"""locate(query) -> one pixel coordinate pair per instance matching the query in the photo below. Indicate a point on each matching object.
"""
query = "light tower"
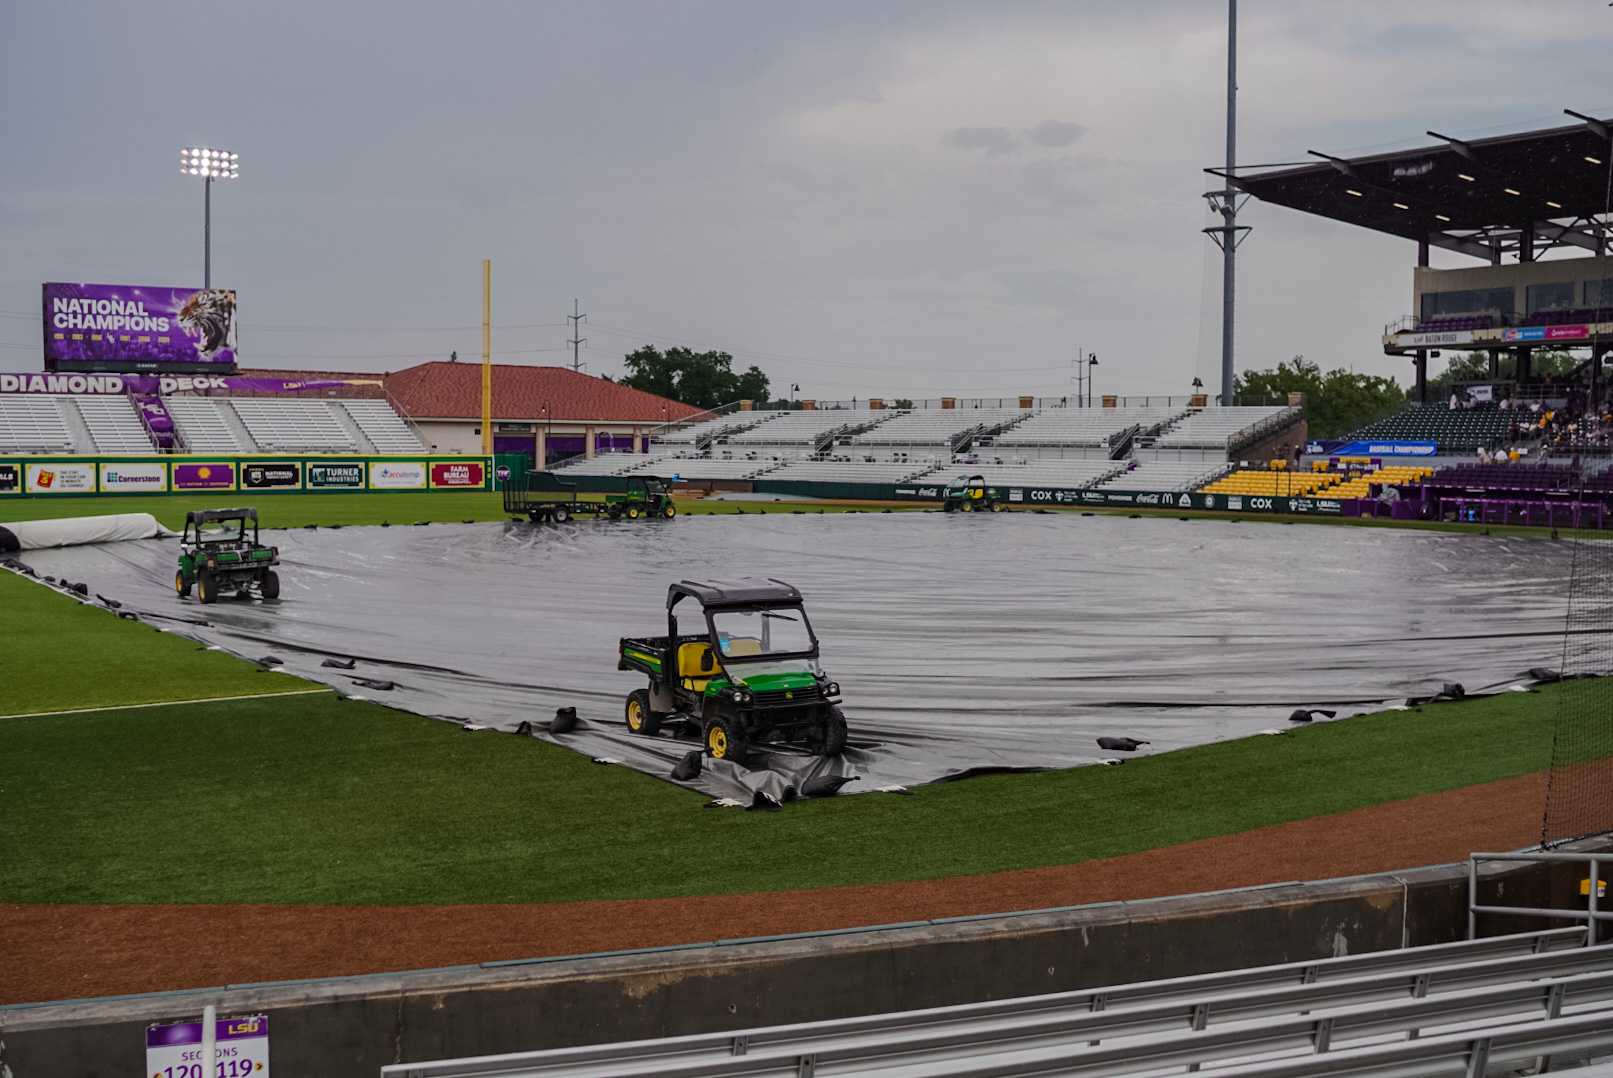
(210, 165)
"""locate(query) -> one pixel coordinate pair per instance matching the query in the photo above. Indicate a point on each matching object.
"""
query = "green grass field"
(314, 799)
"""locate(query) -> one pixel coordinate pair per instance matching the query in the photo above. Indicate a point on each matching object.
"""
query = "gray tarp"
(76, 531)
(962, 643)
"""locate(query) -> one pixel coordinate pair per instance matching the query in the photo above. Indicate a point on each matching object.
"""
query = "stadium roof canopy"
(1481, 197)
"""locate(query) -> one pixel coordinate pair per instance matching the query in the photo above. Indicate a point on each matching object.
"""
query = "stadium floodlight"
(1442, 217)
(1465, 176)
(1353, 192)
(1593, 160)
(210, 164)
(1554, 205)
(1512, 191)
(1401, 206)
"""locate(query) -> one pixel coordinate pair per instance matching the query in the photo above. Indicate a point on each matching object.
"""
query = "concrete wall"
(352, 1026)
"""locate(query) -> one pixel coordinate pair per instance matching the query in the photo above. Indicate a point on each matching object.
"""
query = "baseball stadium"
(480, 718)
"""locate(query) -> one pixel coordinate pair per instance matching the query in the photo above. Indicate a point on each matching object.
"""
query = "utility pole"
(577, 340)
(487, 357)
(1229, 234)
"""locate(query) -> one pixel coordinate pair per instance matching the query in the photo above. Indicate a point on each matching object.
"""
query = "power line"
(577, 339)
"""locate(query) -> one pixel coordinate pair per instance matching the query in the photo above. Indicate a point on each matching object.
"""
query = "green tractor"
(969, 494)
(748, 674)
(216, 555)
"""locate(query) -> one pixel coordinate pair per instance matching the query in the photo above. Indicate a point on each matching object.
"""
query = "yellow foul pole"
(487, 357)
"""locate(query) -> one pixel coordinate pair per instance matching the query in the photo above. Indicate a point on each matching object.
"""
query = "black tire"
(996, 507)
(534, 516)
(560, 514)
(614, 512)
(633, 512)
(834, 733)
(269, 586)
(668, 511)
(966, 507)
(181, 585)
(638, 714)
(724, 740)
(206, 587)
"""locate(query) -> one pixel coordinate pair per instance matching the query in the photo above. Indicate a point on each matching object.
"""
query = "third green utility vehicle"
(219, 551)
(970, 494)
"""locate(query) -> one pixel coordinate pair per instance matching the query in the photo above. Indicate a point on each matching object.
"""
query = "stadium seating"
(1281, 482)
(939, 427)
(804, 428)
(113, 424)
(1459, 322)
(698, 433)
(1082, 426)
(203, 425)
(299, 425)
(34, 424)
(1514, 477)
(1072, 474)
(848, 471)
(606, 464)
(386, 431)
(1463, 430)
(1390, 475)
(1226, 428)
(1515, 1004)
(1166, 476)
(706, 468)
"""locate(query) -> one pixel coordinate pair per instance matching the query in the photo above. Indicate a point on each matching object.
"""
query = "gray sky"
(893, 199)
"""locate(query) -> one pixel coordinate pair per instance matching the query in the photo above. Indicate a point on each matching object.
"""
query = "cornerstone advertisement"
(134, 478)
(91, 327)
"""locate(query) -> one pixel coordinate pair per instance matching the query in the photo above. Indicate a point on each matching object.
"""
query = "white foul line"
(165, 703)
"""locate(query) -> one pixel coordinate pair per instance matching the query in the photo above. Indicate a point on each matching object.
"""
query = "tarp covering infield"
(963, 643)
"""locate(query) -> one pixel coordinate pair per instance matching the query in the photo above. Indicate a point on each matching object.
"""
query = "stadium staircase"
(1488, 1006)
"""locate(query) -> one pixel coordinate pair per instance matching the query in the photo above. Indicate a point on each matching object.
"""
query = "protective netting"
(1579, 798)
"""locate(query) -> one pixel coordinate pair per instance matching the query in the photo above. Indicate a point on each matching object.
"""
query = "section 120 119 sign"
(125, 327)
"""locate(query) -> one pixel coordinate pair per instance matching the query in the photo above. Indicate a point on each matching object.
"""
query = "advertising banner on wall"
(10, 479)
(271, 475)
(125, 327)
(131, 478)
(458, 473)
(240, 1048)
(397, 475)
(213, 475)
(58, 478)
(336, 475)
(102, 385)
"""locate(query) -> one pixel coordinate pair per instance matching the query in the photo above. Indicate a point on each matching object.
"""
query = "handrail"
(1591, 915)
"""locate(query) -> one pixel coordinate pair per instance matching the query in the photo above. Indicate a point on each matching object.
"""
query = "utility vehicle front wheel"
(633, 512)
(640, 719)
(561, 514)
(996, 507)
(668, 511)
(206, 586)
(269, 586)
(833, 740)
(181, 585)
(725, 741)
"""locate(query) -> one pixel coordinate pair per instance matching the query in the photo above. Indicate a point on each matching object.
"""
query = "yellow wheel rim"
(632, 514)
(635, 715)
(717, 740)
(179, 582)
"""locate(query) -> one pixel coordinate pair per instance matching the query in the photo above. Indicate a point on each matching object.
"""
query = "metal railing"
(1592, 915)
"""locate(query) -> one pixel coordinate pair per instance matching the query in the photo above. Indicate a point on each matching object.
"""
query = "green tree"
(1336, 402)
(1475, 367)
(701, 379)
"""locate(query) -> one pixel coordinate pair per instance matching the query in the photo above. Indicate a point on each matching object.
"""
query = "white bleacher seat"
(696, 433)
(704, 467)
(203, 426)
(939, 427)
(1071, 474)
(33, 424)
(301, 425)
(1082, 426)
(1167, 476)
(1223, 428)
(114, 425)
(848, 471)
(385, 429)
(603, 464)
(804, 427)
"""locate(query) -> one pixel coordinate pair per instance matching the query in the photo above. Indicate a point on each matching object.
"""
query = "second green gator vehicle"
(970, 494)
(219, 551)
(747, 674)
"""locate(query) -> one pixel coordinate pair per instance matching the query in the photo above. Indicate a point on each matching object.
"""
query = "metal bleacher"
(33, 424)
(1480, 1007)
(1226, 428)
(306, 425)
(935, 427)
(1167, 476)
(805, 427)
(606, 464)
(385, 429)
(849, 471)
(1074, 473)
(699, 433)
(706, 467)
(1082, 426)
(202, 425)
(114, 425)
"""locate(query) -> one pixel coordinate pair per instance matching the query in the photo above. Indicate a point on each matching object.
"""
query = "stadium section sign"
(133, 478)
(240, 1049)
(98, 327)
(397, 475)
(60, 478)
(336, 475)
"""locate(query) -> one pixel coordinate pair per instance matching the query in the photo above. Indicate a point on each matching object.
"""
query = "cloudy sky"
(870, 199)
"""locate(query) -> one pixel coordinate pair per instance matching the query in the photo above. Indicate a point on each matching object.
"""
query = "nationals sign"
(130, 327)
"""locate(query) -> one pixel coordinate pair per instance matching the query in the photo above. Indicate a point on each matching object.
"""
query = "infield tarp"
(963, 643)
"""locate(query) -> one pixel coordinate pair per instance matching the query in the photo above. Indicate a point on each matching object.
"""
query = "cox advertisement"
(133, 478)
(336, 475)
(55, 477)
(397, 475)
(127, 327)
(271, 475)
(213, 475)
(458, 473)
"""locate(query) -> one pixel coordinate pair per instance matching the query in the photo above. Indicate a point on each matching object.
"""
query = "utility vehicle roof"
(745, 591)
(208, 516)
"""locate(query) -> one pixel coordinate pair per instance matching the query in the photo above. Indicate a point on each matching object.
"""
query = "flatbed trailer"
(544, 498)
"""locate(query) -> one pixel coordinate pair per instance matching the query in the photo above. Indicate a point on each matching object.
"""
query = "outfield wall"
(261, 473)
(355, 1025)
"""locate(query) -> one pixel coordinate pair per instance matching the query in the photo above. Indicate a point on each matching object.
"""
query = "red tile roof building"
(454, 391)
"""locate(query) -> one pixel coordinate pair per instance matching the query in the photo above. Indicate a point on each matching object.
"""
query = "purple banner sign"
(104, 384)
(154, 416)
(213, 475)
(98, 327)
(225, 1029)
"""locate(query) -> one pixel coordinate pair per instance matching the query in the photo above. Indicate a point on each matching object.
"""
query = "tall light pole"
(210, 165)
(1092, 361)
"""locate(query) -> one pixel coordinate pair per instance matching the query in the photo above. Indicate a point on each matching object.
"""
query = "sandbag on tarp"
(79, 531)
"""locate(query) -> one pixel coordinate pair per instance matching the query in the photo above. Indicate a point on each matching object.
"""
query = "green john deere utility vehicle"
(749, 672)
(216, 554)
(969, 494)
